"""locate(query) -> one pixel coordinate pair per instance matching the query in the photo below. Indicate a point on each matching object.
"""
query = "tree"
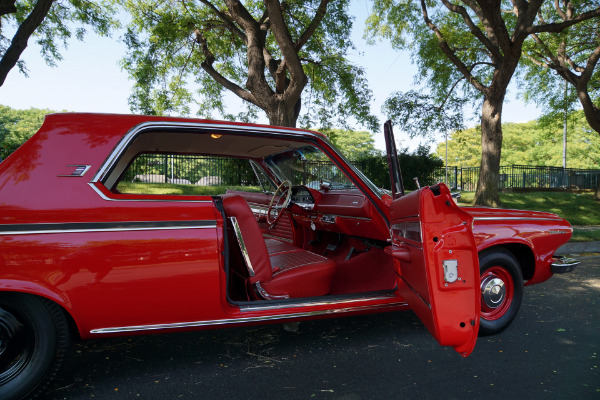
(16, 126)
(355, 145)
(49, 22)
(474, 46)
(266, 53)
(573, 56)
(530, 143)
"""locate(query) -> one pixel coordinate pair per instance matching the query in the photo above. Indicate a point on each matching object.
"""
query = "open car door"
(436, 260)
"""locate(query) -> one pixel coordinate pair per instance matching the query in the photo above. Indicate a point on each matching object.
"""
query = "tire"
(35, 340)
(501, 283)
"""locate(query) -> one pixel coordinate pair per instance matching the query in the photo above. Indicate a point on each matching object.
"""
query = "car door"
(436, 259)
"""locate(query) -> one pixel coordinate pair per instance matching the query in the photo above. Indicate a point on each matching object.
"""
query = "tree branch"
(290, 61)
(462, 68)
(492, 43)
(559, 27)
(228, 22)
(7, 7)
(19, 41)
(321, 11)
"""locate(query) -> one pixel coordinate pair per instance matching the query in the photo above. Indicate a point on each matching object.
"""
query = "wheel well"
(522, 253)
(70, 320)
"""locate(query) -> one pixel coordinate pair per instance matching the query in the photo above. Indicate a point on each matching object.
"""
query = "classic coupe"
(98, 239)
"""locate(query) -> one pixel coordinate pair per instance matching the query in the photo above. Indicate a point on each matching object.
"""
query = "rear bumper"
(561, 265)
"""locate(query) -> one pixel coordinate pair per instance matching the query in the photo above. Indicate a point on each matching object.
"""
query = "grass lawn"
(177, 189)
(577, 208)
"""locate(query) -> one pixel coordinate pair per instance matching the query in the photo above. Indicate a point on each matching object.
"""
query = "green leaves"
(184, 57)
(421, 115)
(530, 143)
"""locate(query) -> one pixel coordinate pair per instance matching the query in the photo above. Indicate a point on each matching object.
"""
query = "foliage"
(577, 208)
(530, 143)
(570, 57)
(418, 164)
(472, 47)
(354, 145)
(51, 24)
(419, 115)
(189, 56)
(16, 126)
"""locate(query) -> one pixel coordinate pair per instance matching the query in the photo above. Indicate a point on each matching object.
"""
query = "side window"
(184, 174)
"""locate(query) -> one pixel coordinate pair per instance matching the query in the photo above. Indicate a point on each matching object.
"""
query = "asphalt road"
(551, 351)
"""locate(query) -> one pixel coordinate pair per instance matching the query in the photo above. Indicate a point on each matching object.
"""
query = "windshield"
(309, 166)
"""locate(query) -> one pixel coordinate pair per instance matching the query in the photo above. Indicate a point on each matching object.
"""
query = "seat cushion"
(275, 246)
(300, 273)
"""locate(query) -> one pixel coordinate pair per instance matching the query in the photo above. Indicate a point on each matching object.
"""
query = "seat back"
(250, 239)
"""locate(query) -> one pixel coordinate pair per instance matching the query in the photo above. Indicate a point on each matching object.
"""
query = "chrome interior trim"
(266, 295)
(245, 320)
(338, 301)
(240, 240)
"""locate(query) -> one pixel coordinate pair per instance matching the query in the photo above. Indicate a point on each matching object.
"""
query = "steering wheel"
(276, 206)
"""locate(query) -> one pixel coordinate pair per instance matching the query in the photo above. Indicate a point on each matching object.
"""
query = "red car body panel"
(113, 280)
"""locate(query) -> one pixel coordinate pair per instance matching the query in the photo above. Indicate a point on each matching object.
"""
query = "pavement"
(550, 351)
(575, 248)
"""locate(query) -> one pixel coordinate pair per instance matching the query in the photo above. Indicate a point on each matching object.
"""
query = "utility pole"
(565, 130)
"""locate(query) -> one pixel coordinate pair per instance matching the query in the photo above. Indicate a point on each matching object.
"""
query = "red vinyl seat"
(278, 270)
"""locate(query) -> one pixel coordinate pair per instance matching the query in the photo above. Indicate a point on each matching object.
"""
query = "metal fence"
(522, 177)
(211, 171)
(189, 169)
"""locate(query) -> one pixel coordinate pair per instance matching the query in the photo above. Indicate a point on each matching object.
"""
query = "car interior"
(297, 227)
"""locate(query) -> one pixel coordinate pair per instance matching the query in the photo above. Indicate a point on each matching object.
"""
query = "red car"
(104, 232)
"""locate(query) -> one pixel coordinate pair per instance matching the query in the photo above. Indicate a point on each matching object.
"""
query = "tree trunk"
(597, 194)
(282, 113)
(491, 146)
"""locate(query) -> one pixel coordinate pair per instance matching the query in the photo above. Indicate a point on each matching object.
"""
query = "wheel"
(501, 290)
(276, 206)
(34, 343)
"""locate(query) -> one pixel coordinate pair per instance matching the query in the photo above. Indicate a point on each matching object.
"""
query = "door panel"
(436, 261)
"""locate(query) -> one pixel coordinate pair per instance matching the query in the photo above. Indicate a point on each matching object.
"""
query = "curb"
(578, 248)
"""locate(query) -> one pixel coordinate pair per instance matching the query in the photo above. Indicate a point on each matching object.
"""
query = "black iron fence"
(189, 169)
(522, 177)
(210, 171)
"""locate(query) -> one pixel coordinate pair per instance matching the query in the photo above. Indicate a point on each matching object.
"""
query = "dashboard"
(344, 211)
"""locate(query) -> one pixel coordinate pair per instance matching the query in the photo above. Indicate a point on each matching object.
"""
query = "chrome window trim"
(144, 126)
(243, 320)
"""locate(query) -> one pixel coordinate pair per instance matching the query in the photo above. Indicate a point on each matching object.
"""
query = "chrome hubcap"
(493, 291)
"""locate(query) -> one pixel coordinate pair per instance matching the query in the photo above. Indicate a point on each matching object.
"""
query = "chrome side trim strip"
(246, 320)
(514, 218)
(124, 226)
